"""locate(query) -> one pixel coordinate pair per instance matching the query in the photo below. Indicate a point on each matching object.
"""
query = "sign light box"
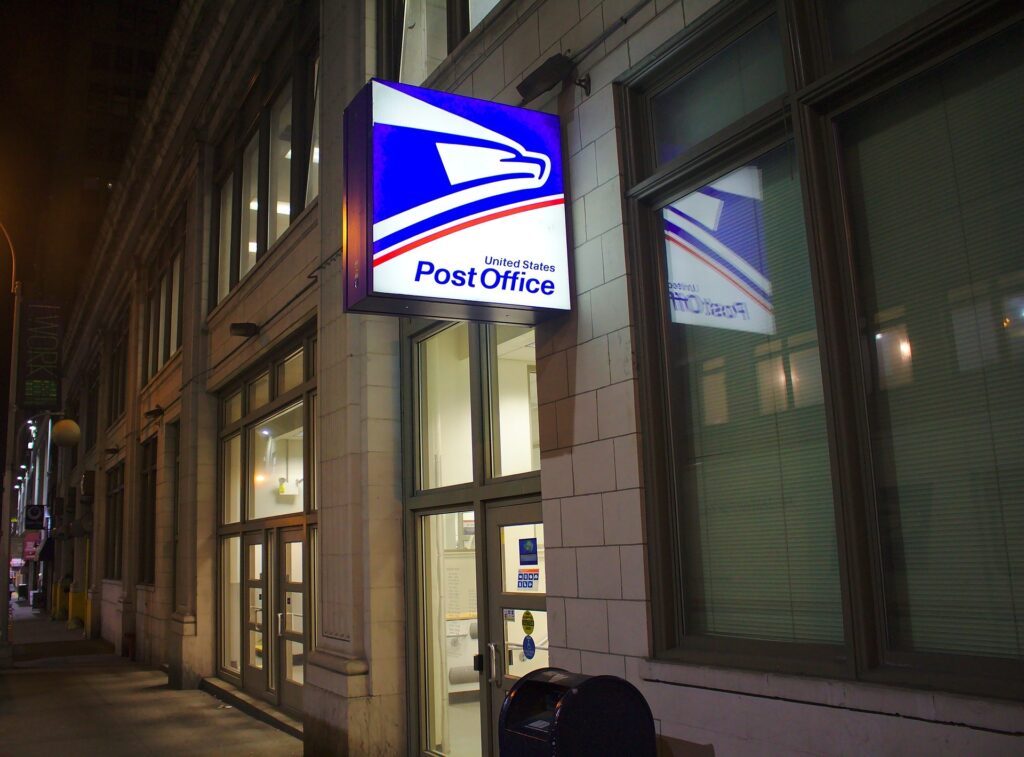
(454, 207)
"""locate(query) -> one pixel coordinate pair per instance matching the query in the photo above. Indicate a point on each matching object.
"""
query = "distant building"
(771, 461)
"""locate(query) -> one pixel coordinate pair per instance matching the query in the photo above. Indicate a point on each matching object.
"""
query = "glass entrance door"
(517, 639)
(290, 619)
(254, 598)
(474, 645)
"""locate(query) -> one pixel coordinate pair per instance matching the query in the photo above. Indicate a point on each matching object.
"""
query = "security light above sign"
(454, 207)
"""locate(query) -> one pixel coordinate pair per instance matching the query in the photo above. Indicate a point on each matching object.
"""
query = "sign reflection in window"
(716, 256)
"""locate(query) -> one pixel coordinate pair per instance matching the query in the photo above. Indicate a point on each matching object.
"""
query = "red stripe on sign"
(465, 225)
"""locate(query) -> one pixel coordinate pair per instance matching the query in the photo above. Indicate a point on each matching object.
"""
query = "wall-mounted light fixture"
(244, 329)
(156, 412)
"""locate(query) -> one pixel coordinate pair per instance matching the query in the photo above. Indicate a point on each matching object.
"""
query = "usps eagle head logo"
(444, 164)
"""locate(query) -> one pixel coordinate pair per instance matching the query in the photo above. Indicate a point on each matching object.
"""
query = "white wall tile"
(623, 517)
(603, 208)
(588, 264)
(616, 409)
(560, 567)
(582, 521)
(610, 308)
(586, 624)
(577, 419)
(556, 17)
(606, 153)
(552, 523)
(583, 172)
(587, 366)
(634, 573)
(590, 470)
(661, 29)
(627, 627)
(627, 465)
(556, 473)
(521, 48)
(598, 572)
(620, 355)
(597, 664)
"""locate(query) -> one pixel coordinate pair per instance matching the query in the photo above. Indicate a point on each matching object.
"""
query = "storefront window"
(232, 480)
(231, 604)
(446, 443)
(756, 523)
(516, 435)
(937, 175)
(279, 212)
(250, 205)
(452, 686)
(744, 76)
(278, 473)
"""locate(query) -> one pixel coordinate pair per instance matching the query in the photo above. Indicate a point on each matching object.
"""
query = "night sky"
(73, 77)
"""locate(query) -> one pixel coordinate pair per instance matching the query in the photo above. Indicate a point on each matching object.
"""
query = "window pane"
(290, 373)
(233, 408)
(446, 443)
(279, 215)
(175, 302)
(451, 688)
(231, 483)
(854, 23)
(937, 191)
(250, 206)
(315, 452)
(755, 523)
(259, 392)
(424, 39)
(231, 604)
(478, 9)
(741, 78)
(162, 319)
(313, 174)
(277, 469)
(224, 238)
(516, 434)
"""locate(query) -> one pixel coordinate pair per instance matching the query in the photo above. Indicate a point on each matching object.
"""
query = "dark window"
(163, 307)
(114, 522)
(832, 418)
(421, 33)
(92, 409)
(147, 513)
(116, 385)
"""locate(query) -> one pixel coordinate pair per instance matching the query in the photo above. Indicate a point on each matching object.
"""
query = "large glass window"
(274, 151)
(278, 473)
(516, 435)
(231, 604)
(837, 486)
(114, 521)
(147, 514)
(163, 314)
(937, 179)
(756, 520)
(118, 367)
(446, 443)
(231, 478)
(744, 76)
(451, 685)
(280, 209)
(431, 29)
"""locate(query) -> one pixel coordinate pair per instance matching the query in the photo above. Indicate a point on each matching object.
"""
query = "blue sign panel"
(529, 647)
(714, 245)
(455, 207)
(527, 551)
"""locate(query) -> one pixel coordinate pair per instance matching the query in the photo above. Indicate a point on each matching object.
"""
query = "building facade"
(768, 469)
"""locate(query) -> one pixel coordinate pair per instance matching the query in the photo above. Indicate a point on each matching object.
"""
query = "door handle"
(280, 623)
(497, 675)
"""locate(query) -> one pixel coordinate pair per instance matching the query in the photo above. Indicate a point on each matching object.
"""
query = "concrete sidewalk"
(66, 695)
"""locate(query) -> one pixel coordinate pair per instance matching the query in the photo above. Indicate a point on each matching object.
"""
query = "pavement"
(67, 695)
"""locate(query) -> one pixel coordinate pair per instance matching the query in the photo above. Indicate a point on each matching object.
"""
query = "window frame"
(117, 376)
(148, 474)
(819, 91)
(114, 523)
(292, 63)
(156, 317)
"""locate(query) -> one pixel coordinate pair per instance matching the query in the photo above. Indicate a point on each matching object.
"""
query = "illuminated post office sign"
(454, 207)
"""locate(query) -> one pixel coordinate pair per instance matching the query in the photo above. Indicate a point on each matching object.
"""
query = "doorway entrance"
(483, 620)
(274, 613)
